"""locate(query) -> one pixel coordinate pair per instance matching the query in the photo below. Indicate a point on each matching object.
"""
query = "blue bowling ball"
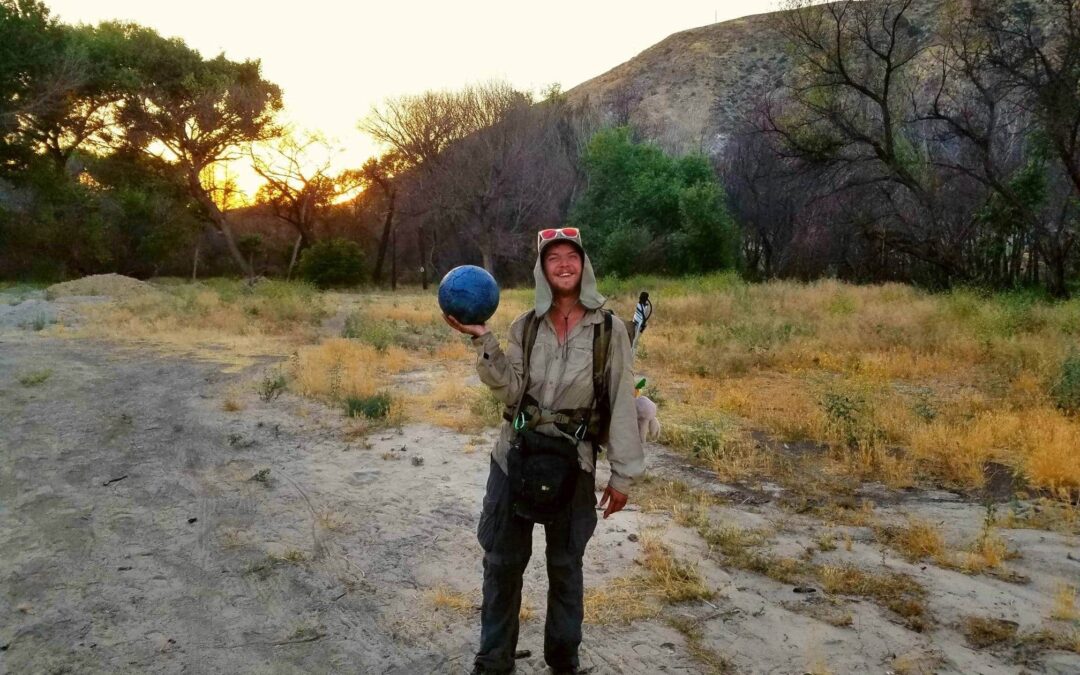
(469, 294)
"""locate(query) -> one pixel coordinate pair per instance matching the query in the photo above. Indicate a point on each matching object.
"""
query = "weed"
(703, 439)
(486, 407)
(621, 601)
(712, 661)
(673, 580)
(984, 632)
(1053, 639)
(34, 378)
(1066, 387)
(272, 385)
(917, 540)
(826, 542)
(292, 556)
(377, 333)
(261, 476)
(331, 521)
(1058, 515)
(1065, 604)
(38, 323)
(849, 416)
(665, 580)
(372, 407)
(445, 597)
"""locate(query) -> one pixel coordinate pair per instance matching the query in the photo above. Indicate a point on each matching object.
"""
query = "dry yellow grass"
(918, 540)
(445, 597)
(218, 320)
(337, 368)
(902, 384)
(666, 580)
(1065, 604)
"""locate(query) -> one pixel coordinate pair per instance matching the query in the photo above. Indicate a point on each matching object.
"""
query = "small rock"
(804, 589)
(417, 460)
(632, 537)
(192, 520)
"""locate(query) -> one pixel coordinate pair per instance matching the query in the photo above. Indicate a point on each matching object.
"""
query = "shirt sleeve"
(501, 371)
(624, 449)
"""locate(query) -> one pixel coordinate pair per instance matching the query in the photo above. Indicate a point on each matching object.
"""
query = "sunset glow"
(335, 60)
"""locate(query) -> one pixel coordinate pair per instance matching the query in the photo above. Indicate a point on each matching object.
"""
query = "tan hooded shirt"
(561, 377)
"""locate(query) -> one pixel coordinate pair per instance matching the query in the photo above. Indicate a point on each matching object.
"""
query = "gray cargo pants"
(507, 543)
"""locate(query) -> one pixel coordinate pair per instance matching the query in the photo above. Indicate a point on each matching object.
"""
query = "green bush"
(649, 210)
(1066, 389)
(333, 262)
(378, 333)
(371, 407)
(272, 385)
(850, 418)
(704, 439)
(486, 407)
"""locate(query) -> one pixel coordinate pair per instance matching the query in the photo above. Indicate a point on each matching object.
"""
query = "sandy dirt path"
(135, 539)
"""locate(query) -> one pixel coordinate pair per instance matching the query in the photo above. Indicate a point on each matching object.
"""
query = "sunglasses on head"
(557, 233)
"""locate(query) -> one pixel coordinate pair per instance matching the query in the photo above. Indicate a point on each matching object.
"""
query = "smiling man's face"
(562, 268)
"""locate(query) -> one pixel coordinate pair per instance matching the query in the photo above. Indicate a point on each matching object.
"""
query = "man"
(556, 400)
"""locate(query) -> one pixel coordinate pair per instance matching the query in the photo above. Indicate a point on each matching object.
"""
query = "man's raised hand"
(476, 330)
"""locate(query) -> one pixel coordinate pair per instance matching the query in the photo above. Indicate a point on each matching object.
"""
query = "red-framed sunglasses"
(558, 233)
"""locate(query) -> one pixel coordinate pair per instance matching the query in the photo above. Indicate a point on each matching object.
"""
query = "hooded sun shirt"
(561, 375)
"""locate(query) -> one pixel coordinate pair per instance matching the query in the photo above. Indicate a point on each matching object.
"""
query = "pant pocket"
(494, 510)
(583, 514)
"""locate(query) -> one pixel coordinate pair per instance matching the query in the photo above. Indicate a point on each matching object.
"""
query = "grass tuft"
(373, 407)
(35, 377)
(983, 632)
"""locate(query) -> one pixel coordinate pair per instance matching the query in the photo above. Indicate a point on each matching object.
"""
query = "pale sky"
(334, 60)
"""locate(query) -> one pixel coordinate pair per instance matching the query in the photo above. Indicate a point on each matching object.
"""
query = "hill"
(690, 91)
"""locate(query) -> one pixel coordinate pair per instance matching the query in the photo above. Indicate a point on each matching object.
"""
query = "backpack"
(583, 423)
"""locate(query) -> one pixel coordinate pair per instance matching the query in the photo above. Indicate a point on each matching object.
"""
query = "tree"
(499, 182)
(94, 83)
(420, 130)
(300, 186)
(200, 111)
(379, 173)
(1035, 49)
(32, 74)
(672, 208)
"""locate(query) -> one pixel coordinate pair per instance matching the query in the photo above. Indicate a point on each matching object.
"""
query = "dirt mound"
(112, 285)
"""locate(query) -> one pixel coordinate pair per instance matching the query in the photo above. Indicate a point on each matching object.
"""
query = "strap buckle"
(583, 429)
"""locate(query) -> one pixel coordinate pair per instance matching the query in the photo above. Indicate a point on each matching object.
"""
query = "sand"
(136, 539)
(115, 286)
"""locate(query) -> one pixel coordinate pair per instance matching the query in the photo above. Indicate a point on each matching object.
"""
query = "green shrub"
(850, 418)
(486, 407)
(378, 333)
(272, 385)
(34, 378)
(333, 262)
(1066, 389)
(371, 407)
(702, 439)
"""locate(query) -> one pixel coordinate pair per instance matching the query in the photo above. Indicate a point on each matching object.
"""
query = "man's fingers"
(616, 503)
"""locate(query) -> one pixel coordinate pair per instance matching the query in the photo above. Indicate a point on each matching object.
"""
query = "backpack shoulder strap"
(528, 339)
(601, 346)
(600, 412)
